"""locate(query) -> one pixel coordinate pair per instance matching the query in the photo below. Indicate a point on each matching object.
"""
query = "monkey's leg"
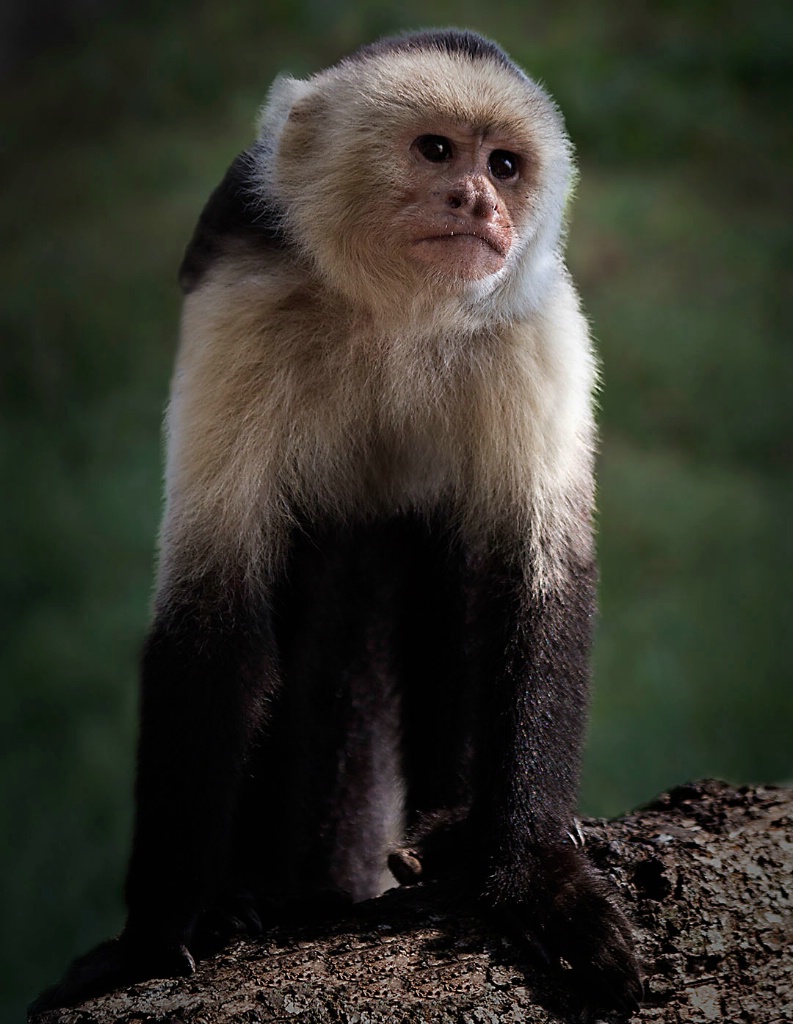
(360, 817)
(437, 711)
(533, 712)
(330, 767)
(208, 671)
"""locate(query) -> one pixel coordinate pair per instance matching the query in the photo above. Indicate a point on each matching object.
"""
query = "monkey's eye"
(503, 164)
(435, 148)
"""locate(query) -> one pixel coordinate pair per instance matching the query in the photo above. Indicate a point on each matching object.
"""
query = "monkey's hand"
(561, 908)
(566, 912)
(112, 965)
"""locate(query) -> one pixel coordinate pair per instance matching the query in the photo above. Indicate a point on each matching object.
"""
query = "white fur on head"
(335, 152)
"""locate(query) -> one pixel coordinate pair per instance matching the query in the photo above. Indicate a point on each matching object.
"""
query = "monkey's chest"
(412, 468)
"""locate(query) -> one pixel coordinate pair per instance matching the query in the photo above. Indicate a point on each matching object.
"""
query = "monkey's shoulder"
(235, 218)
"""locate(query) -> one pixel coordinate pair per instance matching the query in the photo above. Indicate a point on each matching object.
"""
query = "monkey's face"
(463, 189)
(409, 177)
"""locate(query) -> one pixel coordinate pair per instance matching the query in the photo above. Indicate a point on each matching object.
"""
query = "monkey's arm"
(535, 717)
(537, 696)
(208, 671)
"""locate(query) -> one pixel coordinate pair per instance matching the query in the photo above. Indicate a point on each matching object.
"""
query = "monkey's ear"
(289, 99)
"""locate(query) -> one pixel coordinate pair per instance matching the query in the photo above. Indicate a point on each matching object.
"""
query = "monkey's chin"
(458, 257)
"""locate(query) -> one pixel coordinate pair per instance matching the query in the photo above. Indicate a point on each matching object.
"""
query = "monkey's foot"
(437, 845)
(250, 912)
(111, 965)
(569, 918)
(406, 865)
(234, 915)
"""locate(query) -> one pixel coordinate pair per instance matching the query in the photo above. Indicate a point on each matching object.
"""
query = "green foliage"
(680, 243)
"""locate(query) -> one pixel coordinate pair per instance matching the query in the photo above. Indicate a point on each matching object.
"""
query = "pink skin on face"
(458, 220)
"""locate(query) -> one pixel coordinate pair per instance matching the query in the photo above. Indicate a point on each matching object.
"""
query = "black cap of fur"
(450, 40)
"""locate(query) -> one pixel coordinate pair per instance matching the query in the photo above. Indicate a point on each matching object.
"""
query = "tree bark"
(705, 871)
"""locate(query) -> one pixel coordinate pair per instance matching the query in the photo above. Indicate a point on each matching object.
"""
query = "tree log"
(705, 871)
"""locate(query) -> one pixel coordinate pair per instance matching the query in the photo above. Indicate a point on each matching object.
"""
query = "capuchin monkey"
(376, 592)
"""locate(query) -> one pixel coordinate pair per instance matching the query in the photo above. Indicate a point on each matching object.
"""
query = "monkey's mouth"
(467, 238)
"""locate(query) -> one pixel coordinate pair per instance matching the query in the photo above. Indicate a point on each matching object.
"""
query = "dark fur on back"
(232, 212)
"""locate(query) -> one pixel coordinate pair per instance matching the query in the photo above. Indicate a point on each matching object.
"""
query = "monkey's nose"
(478, 201)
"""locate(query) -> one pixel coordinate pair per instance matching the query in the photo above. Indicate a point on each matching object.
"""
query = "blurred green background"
(115, 129)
